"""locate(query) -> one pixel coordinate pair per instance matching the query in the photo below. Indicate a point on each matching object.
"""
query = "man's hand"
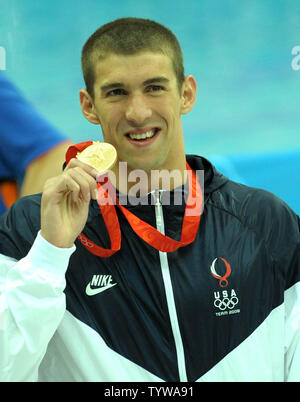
(65, 203)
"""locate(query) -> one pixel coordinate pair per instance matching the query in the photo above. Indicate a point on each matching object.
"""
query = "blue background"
(247, 116)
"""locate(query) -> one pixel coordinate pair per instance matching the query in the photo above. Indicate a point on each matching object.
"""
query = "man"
(220, 306)
(32, 150)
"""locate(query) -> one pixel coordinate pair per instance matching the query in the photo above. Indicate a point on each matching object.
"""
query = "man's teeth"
(143, 136)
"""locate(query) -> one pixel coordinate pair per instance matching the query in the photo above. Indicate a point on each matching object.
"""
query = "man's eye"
(154, 88)
(116, 92)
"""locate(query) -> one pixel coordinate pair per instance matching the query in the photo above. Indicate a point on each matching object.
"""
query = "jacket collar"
(213, 179)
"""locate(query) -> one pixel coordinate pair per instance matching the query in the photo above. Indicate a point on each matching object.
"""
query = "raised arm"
(32, 299)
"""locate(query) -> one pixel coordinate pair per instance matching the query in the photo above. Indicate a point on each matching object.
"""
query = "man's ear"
(87, 107)
(188, 94)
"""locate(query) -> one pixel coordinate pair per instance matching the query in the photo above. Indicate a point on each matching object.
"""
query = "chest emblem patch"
(225, 300)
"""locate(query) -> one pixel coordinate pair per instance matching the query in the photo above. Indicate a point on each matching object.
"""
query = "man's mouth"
(143, 135)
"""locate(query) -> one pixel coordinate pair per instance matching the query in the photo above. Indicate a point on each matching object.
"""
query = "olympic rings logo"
(85, 241)
(226, 303)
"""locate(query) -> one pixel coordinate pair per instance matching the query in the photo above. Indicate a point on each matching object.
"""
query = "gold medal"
(102, 156)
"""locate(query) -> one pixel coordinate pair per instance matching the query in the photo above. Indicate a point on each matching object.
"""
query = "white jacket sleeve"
(292, 333)
(32, 304)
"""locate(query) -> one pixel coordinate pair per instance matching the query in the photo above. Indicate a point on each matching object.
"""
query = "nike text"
(99, 284)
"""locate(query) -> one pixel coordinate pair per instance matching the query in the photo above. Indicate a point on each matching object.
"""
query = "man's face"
(139, 107)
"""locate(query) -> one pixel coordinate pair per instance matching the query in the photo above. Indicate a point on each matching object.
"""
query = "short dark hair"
(129, 36)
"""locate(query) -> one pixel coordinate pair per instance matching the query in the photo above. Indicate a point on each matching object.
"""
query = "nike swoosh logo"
(92, 292)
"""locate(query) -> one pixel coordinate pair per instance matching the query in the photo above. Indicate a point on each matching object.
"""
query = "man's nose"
(138, 110)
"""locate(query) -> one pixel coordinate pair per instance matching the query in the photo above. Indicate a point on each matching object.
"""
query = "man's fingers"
(64, 186)
(86, 183)
(74, 182)
(74, 162)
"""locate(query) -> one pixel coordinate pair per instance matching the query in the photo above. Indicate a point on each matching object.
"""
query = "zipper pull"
(158, 209)
(157, 197)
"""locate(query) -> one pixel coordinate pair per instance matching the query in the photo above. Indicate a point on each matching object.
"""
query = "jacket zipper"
(169, 291)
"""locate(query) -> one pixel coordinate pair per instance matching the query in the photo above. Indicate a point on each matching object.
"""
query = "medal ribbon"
(189, 226)
(145, 231)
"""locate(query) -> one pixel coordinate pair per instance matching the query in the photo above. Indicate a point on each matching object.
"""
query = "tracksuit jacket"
(223, 308)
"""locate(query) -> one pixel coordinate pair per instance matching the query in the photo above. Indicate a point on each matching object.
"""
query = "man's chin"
(141, 164)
